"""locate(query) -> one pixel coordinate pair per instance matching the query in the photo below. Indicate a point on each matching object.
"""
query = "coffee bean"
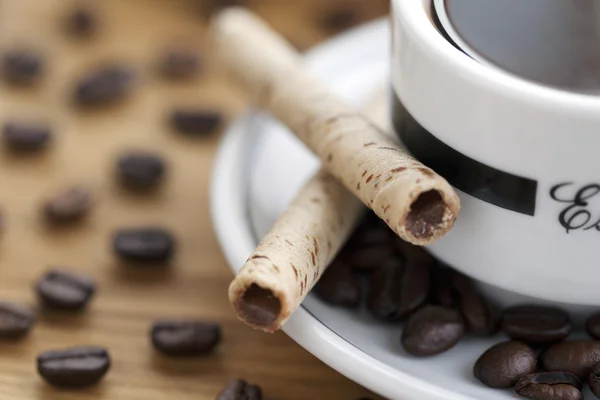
(65, 290)
(104, 86)
(26, 136)
(477, 313)
(536, 324)
(592, 326)
(443, 292)
(2, 221)
(412, 253)
(372, 231)
(398, 288)
(68, 206)
(551, 392)
(414, 288)
(578, 357)
(502, 365)
(240, 390)
(369, 246)
(75, 367)
(594, 380)
(81, 22)
(141, 171)
(367, 258)
(144, 244)
(15, 320)
(185, 338)
(179, 63)
(22, 66)
(550, 386)
(338, 286)
(195, 122)
(212, 6)
(382, 300)
(432, 330)
(550, 378)
(343, 17)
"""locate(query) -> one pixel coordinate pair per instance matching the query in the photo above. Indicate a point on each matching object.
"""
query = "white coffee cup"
(527, 154)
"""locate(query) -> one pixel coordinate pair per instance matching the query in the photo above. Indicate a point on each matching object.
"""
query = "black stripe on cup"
(502, 189)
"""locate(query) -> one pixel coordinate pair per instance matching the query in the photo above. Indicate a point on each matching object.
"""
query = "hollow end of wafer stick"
(430, 216)
(259, 307)
(426, 215)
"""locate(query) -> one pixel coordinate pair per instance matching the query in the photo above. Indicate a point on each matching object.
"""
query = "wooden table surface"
(84, 150)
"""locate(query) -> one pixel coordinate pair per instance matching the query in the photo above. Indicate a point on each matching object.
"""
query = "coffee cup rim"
(413, 14)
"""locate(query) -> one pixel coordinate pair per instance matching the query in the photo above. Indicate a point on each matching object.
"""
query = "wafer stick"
(303, 242)
(417, 204)
(292, 257)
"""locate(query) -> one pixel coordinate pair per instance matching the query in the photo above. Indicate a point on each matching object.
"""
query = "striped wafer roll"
(303, 242)
(417, 204)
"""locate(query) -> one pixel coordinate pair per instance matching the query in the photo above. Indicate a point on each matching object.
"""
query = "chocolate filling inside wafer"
(259, 306)
(426, 214)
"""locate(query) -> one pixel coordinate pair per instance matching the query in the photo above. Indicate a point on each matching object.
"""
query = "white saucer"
(259, 168)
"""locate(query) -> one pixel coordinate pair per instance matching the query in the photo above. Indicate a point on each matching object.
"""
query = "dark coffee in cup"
(553, 42)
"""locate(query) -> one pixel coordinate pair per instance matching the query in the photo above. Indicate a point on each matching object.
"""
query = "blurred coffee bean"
(15, 320)
(369, 246)
(340, 17)
(26, 136)
(443, 291)
(414, 287)
(65, 290)
(338, 286)
(140, 170)
(144, 245)
(179, 63)
(367, 258)
(592, 326)
(76, 367)
(550, 386)
(211, 6)
(477, 312)
(385, 283)
(185, 338)
(22, 66)
(478, 315)
(240, 390)
(372, 231)
(81, 22)
(502, 365)
(68, 206)
(397, 287)
(2, 221)
(594, 380)
(577, 357)
(195, 122)
(104, 85)
(412, 253)
(536, 324)
(432, 330)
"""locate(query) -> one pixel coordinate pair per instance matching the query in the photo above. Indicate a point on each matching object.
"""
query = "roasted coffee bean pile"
(439, 306)
(70, 293)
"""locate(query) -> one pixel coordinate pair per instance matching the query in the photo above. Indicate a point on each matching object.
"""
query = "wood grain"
(86, 145)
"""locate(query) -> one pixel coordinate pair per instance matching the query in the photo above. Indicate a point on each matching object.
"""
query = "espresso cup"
(524, 157)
